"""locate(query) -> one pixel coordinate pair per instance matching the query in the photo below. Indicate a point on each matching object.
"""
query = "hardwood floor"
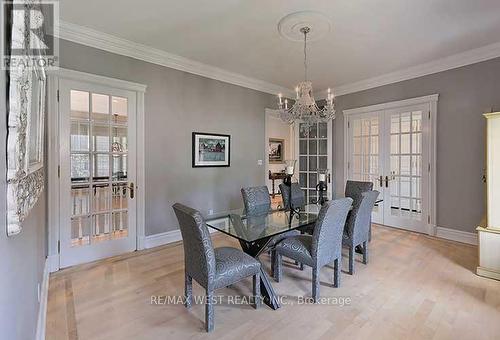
(415, 287)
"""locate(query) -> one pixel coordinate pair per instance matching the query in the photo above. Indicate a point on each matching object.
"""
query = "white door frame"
(53, 154)
(431, 101)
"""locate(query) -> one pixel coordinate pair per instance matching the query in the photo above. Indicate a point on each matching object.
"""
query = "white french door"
(391, 148)
(97, 171)
(314, 151)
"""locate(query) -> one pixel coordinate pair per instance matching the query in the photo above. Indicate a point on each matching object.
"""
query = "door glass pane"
(79, 140)
(100, 107)
(120, 198)
(79, 105)
(102, 197)
(102, 226)
(80, 199)
(119, 110)
(313, 147)
(323, 147)
(100, 138)
(79, 168)
(303, 147)
(101, 167)
(120, 221)
(323, 130)
(119, 135)
(80, 231)
(119, 167)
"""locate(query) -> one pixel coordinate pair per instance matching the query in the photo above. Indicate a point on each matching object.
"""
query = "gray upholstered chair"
(298, 197)
(320, 249)
(257, 201)
(357, 227)
(211, 268)
(354, 189)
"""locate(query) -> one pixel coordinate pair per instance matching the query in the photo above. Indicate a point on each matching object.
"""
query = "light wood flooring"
(415, 287)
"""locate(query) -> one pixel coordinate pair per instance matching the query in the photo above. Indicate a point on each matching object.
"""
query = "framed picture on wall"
(211, 150)
(276, 150)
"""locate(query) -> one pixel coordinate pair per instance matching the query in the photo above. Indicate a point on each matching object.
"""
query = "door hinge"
(58, 171)
(429, 114)
(428, 219)
(57, 95)
(348, 124)
(348, 165)
(59, 247)
(429, 168)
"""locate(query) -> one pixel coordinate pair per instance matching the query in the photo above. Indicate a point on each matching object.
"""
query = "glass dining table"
(254, 232)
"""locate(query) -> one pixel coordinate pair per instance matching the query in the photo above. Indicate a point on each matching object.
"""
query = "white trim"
(42, 307)
(167, 237)
(52, 172)
(488, 273)
(454, 61)
(456, 235)
(141, 172)
(393, 105)
(93, 38)
(97, 79)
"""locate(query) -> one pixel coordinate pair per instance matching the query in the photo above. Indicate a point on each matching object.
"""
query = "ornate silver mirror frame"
(25, 136)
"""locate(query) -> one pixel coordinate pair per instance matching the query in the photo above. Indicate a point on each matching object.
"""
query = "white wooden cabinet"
(489, 234)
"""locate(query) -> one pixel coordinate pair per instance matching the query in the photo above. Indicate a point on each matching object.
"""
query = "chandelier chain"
(305, 55)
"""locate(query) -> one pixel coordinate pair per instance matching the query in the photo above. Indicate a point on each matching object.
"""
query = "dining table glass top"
(251, 228)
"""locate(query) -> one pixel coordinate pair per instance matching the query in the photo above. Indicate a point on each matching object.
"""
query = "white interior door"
(406, 179)
(314, 151)
(391, 148)
(97, 171)
(365, 153)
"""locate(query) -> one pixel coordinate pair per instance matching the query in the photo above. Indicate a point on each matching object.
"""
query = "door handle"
(131, 188)
(381, 181)
(386, 181)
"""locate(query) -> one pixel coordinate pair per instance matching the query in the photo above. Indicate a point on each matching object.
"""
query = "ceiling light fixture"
(304, 109)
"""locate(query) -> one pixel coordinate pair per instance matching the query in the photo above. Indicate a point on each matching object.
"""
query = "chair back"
(298, 197)
(256, 200)
(199, 256)
(327, 236)
(354, 189)
(358, 222)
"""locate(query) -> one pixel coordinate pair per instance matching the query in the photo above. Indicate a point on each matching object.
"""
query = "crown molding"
(454, 61)
(110, 43)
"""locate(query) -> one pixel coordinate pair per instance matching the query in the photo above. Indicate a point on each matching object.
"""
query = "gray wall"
(22, 258)
(464, 94)
(176, 104)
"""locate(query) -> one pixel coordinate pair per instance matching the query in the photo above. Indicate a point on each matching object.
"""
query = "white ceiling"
(369, 37)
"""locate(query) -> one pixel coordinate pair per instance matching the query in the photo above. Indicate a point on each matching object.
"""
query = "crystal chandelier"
(305, 108)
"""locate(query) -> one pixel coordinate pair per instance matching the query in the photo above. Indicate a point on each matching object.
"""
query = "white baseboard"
(42, 307)
(161, 239)
(456, 235)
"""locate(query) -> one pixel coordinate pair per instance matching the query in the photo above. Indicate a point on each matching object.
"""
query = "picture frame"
(276, 151)
(211, 150)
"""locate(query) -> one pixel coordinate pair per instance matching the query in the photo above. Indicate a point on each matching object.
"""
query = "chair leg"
(365, 252)
(256, 290)
(315, 284)
(188, 290)
(351, 260)
(337, 267)
(277, 267)
(209, 312)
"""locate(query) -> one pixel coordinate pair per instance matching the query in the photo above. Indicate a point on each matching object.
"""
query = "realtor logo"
(29, 37)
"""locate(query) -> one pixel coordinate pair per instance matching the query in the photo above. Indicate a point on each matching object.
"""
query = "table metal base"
(254, 249)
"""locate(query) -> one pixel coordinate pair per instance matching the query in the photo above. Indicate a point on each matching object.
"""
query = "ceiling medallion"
(305, 109)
